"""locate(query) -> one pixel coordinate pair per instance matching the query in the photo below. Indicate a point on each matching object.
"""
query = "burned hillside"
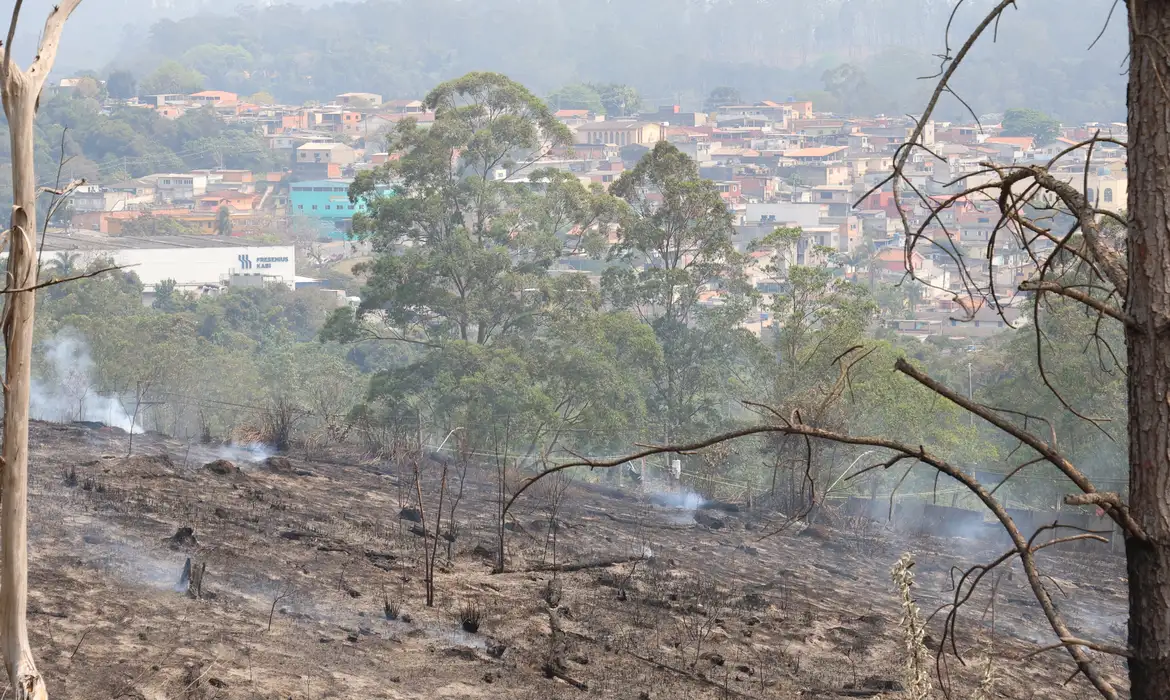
(313, 577)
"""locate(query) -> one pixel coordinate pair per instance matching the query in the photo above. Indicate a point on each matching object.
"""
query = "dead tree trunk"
(1148, 303)
(21, 91)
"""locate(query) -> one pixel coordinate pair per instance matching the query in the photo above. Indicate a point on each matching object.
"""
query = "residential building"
(168, 111)
(820, 155)
(674, 116)
(803, 214)
(132, 194)
(893, 259)
(178, 187)
(619, 133)
(984, 323)
(366, 99)
(164, 99)
(321, 161)
(812, 128)
(834, 174)
(214, 98)
(698, 150)
(761, 188)
(405, 106)
(573, 117)
(234, 201)
(342, 121)
(1010, 148)
(231, 180)
(802, 109)
(1108, 183)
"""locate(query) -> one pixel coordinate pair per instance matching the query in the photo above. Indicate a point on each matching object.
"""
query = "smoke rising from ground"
(65, 389)
(685, 500)
(244, 452)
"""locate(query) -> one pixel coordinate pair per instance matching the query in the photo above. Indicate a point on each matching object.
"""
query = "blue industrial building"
(326, 202)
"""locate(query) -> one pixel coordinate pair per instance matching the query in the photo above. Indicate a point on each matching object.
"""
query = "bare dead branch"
(1041, 447)
(1073, 641)
(63, 280)
(1087, 300)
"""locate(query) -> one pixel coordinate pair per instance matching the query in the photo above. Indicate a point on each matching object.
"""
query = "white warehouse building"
(196, 263)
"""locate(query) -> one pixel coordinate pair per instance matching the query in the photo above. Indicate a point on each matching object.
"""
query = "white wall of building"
(201, 266)
(804, 214)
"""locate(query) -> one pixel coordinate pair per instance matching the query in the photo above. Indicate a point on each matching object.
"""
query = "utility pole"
(970, 394)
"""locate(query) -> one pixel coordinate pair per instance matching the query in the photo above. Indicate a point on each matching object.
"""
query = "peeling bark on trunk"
(21, 90)
(1148, 348)
(18, 333)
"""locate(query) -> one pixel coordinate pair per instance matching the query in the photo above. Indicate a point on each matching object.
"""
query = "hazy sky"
(746, 36)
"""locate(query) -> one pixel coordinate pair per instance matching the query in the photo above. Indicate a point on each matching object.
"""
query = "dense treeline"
(107, 143)
(668, 49)
(464, 323)
(242, 366)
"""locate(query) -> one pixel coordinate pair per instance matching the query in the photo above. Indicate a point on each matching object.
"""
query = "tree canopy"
(1030, 122)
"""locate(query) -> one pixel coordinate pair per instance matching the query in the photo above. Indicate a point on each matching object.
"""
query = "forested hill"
(668, 49)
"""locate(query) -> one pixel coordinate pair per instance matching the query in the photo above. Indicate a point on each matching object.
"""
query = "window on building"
(826, 195)
(314, 206)
(326, 206)
(1108, 194)
(301, 207)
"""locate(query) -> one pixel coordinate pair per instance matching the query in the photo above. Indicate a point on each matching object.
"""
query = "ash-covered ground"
(302, 557)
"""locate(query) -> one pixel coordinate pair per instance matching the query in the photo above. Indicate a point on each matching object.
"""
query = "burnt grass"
(716, 610)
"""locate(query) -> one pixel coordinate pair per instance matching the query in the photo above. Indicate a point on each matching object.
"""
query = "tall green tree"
(819, 315)
(577, 96)
(674, 246)
(461, 270)
(849, 84)
(218, 61)
(618, 100)
(1030, 122)
(121, 85)
(675, 236)
(223, 221)
(63, 264)
(172, 77)
(721, 97)
(454, 259)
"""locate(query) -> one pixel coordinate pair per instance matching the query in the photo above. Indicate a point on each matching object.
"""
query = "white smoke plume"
(683, 500)
(65, 391)
(244, 452)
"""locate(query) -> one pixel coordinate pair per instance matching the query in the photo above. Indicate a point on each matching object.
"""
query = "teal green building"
(324, 201)
(327, 203)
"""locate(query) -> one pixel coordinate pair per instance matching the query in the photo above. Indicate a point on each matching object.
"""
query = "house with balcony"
(818, 155)
(341, 121)
(178, 187)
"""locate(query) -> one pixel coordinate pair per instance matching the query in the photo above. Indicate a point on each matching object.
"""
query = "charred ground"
(307, 561)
